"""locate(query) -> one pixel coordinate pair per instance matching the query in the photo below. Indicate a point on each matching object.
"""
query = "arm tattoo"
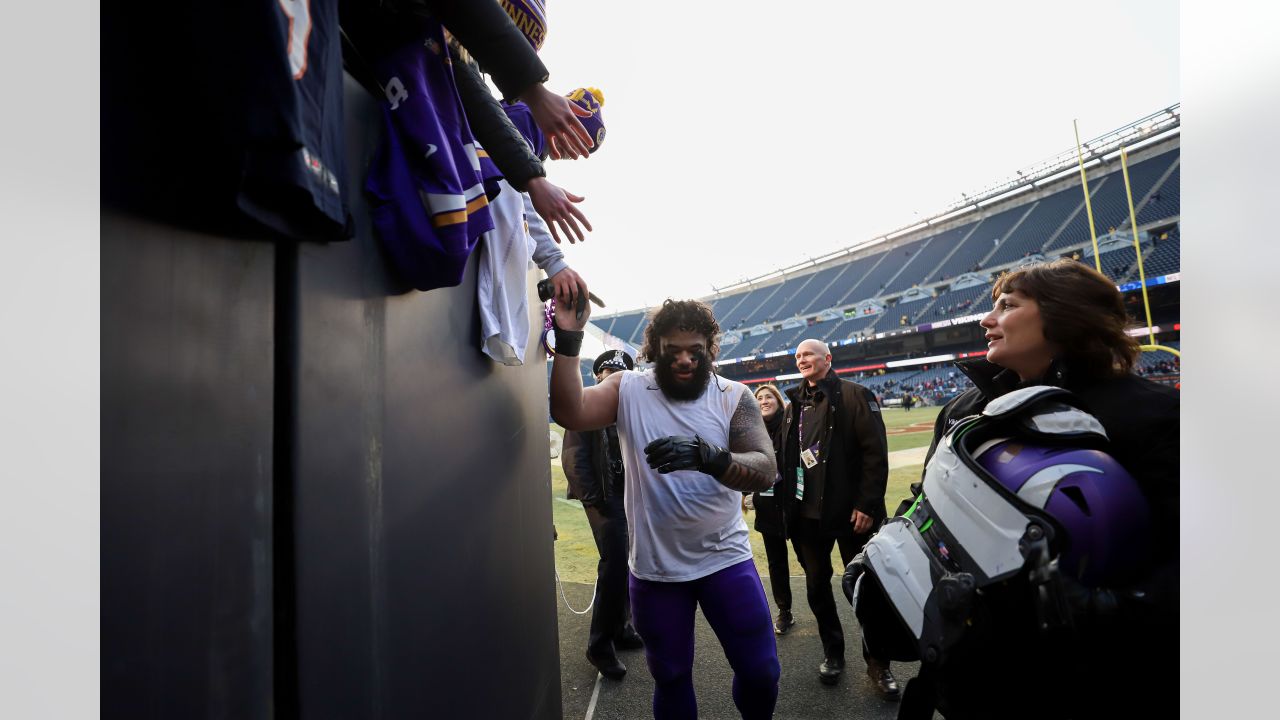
(753, 466)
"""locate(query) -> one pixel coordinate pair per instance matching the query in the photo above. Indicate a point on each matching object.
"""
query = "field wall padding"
(319, 498)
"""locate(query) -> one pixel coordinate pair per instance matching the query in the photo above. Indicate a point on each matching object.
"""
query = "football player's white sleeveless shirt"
(683, 525)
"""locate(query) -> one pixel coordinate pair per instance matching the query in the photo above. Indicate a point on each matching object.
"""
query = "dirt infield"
(917, 427)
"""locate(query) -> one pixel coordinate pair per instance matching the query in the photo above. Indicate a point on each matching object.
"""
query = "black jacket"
(1136, 637)
(592, 465)
(493, 129)
(769, 508)
(853, 461)
(483, 28)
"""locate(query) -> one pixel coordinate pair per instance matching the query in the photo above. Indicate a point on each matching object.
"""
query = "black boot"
(882, 679)
(783, 622)
(609, 666)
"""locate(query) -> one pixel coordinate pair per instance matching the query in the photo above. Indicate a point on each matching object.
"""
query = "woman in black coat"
(770, 521)
(1064, 324)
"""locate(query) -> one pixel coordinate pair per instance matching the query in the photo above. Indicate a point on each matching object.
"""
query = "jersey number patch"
(299, 14)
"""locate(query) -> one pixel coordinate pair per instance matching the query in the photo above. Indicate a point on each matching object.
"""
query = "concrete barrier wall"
(320, 499)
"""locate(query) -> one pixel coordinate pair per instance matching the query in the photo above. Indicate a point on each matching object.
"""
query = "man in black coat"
(835, 464)
(593, 466)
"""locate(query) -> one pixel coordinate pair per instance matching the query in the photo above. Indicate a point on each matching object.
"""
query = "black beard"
(678, 390)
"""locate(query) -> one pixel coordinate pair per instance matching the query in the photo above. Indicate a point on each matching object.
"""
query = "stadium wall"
(319, 499)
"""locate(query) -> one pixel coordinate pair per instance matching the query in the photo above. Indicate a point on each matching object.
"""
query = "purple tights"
(734, 604)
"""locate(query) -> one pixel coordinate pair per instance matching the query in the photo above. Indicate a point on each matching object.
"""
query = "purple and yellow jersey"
(429, 182)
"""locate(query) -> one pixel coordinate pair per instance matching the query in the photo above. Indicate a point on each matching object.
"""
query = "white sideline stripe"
(905, 458)
(595, 693)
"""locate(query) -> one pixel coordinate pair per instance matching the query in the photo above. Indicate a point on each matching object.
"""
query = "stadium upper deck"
(939, 274)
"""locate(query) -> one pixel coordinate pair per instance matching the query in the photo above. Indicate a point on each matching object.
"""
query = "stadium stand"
(1117, 264)
(978, 245)
(891, 264)
(625, 327)
(1045, 217)
(935, 251)
(1110, 206)
(813, 285)
(834, 292)
(1165, 201)
(956, 303)
(1160, 362)
(912, 276)
(763, 311)
(1163, 258)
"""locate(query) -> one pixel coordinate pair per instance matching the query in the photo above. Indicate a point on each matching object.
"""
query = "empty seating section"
(1110, 205)
(1077, 230)
(1165, 202)
(873, 285)
(624, 326)
(813, 284)
(787, 339)
(934, 259)
(767, 310)
(845, 329)
(1164, 258)
(979, 243)
(1116, 264)
(637, 338)
(917, 312)
(725, 305)
(1040, 224)
(830, 295)
(892, 318)
(925, 259)
(958, 303)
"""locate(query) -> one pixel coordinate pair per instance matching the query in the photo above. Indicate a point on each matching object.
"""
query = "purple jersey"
(522, 118)
(429, 182)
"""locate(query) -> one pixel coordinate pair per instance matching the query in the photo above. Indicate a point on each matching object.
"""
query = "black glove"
(681, 452)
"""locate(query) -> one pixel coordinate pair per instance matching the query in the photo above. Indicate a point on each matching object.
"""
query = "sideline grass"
(575, 550)
(919, 419)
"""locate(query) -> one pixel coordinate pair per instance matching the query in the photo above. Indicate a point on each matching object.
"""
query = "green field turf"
(575, 549)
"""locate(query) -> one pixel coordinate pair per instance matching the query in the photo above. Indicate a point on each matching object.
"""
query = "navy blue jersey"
(227, 114)
(294, 167)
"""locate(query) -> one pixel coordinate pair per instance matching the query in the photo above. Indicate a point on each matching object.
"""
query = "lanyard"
(800, 448)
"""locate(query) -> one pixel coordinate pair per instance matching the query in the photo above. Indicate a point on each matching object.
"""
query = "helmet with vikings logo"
(1091, 496)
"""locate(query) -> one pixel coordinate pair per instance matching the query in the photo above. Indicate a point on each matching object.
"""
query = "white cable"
(566, 600)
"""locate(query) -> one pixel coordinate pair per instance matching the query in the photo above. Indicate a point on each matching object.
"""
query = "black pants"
(814, 549)
(775, 550)
(612, 609)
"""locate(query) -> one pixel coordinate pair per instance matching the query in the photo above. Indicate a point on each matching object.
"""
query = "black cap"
(613, 360)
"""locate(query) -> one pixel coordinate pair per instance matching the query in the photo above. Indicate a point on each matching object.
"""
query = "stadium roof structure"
(1097, 151)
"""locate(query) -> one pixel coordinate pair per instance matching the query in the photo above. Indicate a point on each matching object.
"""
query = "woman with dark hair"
(1063, 324)
(770, 516)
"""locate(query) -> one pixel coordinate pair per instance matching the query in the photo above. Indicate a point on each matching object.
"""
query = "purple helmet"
(1095, 500)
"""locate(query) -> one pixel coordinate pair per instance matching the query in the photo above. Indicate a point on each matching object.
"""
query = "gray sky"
(741, 140)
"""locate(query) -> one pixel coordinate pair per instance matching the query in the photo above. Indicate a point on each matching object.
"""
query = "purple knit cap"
(530, 16)
(593, 100)
(588, 98)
